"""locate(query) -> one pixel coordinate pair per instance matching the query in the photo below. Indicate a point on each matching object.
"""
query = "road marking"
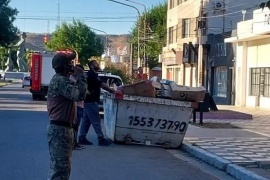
(256, 132)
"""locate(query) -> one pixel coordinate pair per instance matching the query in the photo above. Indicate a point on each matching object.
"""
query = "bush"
(127, 79)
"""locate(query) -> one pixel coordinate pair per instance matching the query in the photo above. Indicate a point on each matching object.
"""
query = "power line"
(86, 17)
(55, 19)
(79, 12)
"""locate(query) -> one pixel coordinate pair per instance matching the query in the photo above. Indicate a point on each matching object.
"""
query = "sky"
(38, 16)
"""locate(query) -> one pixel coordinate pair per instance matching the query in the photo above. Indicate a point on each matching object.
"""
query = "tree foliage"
(77, 36)
(156, 19)
(120, 70)
(265, 4)
(8, 32)
(3, 57)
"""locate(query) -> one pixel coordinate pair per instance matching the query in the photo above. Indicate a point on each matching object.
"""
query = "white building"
(253, 60)
(184, 57)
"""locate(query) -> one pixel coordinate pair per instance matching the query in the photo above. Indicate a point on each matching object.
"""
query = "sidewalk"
(259, 124)
(243, 153)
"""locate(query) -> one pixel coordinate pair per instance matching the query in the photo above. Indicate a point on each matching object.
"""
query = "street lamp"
(145, 9)
(107, 46)
(138, 63)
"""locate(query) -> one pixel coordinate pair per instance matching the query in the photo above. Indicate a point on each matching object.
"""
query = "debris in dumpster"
(119, 94)
(165, 89)
(186, 93)
(143, 88)
(165, 92)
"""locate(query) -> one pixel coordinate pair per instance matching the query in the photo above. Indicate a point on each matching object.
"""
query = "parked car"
(26, 81)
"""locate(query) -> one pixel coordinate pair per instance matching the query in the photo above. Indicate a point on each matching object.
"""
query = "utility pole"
(131, 60)
(106, 40)
(58, 14)
(48, 27)
(200, 50)
(223, 17)
(138, 27)
(144, 31)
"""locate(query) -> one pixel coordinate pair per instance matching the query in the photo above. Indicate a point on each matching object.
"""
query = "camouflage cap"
(60, 60)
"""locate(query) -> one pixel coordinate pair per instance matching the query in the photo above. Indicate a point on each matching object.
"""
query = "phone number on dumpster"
(162, 124)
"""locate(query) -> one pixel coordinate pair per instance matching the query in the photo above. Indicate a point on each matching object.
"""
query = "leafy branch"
(265, 4)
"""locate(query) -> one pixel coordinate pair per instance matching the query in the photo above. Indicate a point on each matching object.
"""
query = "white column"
(244, 74)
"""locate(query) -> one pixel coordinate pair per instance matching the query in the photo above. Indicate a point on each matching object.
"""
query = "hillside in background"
(119, 46)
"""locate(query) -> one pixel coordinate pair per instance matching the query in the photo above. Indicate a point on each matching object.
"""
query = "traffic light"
(45, 40)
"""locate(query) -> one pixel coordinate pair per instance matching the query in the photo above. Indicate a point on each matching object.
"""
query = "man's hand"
(107, 88)
(78, 71)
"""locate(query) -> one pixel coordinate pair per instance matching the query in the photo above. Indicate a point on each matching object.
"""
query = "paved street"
(24, 152)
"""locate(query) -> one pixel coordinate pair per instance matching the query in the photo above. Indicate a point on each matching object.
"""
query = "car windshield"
(111, 80)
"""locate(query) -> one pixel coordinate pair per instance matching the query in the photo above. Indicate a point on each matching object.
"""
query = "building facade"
(253, 60)
(189, 22)
(220, 70)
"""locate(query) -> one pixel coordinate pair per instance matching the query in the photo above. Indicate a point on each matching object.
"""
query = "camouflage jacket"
(62, 95)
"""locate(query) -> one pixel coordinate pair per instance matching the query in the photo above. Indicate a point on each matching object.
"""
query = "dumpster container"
(145, 120)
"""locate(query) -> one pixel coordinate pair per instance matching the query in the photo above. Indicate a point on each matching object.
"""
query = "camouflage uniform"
(62, 94)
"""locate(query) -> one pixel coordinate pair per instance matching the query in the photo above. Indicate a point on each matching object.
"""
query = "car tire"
(35, 97)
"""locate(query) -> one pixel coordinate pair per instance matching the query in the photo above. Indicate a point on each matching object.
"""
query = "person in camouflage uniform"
(61, 106)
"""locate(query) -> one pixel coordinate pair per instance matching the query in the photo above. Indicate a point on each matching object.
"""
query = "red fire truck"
(41, 73)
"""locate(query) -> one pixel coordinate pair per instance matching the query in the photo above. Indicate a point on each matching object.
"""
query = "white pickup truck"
(111, 80)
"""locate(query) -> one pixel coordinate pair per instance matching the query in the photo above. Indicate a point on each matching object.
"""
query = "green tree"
(119, 70)
(8, 33)
(265, 4)
(3, 57)
(156, 19)
(79, 37)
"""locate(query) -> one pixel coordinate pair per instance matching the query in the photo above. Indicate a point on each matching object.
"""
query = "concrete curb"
(234, 170)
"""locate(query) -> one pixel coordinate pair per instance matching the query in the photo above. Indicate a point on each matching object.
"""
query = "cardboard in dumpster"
(186, 93)
(143, 88)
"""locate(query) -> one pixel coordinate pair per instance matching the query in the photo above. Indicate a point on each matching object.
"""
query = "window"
(169, 73)
(255, 81)
(170, 35)
(266, 91)
(171, 4)
(260, 82)
(186, 28)
(177, 75)
(220, 81)
(179, 2)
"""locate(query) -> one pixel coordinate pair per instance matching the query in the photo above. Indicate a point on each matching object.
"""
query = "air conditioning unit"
(219, 6)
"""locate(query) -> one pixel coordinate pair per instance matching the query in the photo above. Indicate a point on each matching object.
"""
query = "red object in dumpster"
(119, 94)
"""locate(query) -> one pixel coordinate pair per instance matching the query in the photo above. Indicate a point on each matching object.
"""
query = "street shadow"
(226, 114)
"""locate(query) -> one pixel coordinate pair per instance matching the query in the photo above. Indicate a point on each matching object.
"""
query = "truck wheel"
(34, 96)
